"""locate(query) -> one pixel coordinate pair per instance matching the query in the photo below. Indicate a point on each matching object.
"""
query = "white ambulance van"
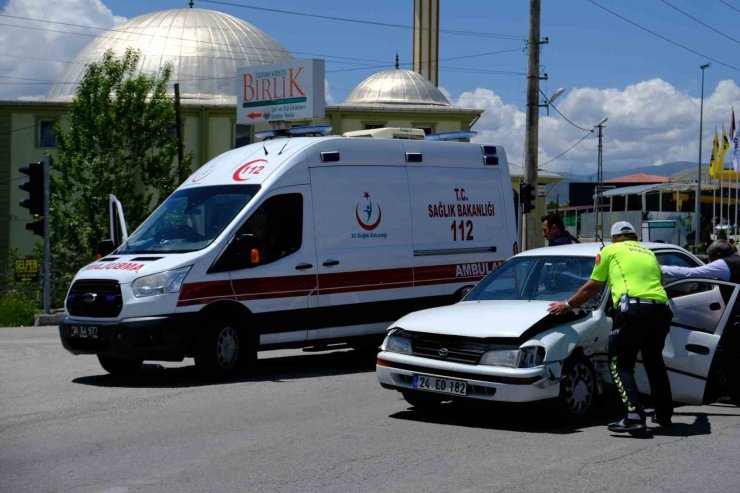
(300, 242)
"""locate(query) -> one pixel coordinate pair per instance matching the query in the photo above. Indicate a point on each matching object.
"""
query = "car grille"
(95, 298)
(447, 348)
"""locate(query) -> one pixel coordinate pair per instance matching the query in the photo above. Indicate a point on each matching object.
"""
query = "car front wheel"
(577, 388)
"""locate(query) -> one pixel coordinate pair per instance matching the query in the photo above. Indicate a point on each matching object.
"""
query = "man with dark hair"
(554, 230)
(724, 264)
(642, 320)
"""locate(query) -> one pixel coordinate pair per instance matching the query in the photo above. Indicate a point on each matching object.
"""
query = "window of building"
(45, 133)
(372, 125)
(428, 128)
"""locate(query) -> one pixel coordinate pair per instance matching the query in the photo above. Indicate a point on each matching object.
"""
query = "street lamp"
(697, 204)
(599, 179)
(548, 101)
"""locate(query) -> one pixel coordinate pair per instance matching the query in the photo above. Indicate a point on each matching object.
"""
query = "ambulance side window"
(276, 230)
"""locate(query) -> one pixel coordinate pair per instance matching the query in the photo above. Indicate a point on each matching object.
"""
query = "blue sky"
(647, 86)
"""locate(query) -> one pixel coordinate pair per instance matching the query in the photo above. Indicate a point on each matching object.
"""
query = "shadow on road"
(270, 369)
(541, 418)
(530, 417)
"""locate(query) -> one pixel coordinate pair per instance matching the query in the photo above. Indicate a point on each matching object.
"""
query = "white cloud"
(41, 48)
(650, 122)
(327, 93)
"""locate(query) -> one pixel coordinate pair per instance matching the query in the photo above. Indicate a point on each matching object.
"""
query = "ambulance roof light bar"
(452, 135)
(302, 130)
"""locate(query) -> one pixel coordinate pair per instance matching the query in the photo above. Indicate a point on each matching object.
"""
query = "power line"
(700, 21)
(567, 150)
(257, 51)
(372, 23)
(731, 6)
(663, 37)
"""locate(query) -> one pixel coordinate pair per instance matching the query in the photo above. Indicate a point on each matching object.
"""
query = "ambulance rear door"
(463, 226)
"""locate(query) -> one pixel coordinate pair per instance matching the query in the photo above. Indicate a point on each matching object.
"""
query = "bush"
(17, 309)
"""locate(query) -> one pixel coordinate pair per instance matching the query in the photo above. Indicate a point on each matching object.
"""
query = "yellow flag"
(723, 148)
(715, 152)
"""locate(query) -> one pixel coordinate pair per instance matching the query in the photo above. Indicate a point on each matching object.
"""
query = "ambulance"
(298, 242)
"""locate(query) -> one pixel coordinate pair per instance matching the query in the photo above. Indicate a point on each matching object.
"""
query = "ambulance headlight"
(397, 342)
(162, 283)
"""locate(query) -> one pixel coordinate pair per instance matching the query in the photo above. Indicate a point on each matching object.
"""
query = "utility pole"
(599, 214)
(697, 202)
(531, 222)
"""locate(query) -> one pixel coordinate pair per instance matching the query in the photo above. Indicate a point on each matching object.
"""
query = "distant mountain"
(560, 191)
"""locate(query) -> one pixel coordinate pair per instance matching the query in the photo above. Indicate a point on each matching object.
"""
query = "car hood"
(483, 319)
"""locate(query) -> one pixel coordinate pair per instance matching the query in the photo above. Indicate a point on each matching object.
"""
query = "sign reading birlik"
(280, 92)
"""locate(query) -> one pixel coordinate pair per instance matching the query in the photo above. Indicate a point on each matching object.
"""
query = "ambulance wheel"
(577, 389)
(422, 400)
(219, 348)
(118, 366)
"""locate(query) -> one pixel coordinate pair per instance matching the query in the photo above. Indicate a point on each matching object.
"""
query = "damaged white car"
(500, 344)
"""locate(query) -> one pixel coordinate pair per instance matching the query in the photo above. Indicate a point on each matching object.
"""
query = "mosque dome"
(397, 87)
(205, 49)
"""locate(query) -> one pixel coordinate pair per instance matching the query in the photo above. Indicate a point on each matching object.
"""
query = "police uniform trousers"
(643, 328)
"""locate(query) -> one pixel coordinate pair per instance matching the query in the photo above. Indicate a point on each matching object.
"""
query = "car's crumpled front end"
(509, 351)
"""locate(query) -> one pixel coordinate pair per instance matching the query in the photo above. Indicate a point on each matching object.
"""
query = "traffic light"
(526, 197)
(37, 227)
(35, 188)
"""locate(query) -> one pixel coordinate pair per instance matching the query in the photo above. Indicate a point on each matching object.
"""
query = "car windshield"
(536, 278)
(189, 219)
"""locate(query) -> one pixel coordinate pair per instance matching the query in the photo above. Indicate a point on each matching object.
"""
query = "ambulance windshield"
(189, 219)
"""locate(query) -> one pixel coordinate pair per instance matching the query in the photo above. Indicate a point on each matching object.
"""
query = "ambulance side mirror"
(241, 253)
(104, 248)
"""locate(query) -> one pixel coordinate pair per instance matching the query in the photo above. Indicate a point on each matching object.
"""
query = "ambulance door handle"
(303, 266)
(330, 263)
(698, 349)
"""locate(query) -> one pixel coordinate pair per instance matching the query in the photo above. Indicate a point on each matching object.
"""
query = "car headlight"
(501, 357)
(511, 357)
(396, 343)
(161, 283)
(531, 356)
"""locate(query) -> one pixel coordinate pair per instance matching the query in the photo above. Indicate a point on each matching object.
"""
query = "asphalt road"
(316, 422)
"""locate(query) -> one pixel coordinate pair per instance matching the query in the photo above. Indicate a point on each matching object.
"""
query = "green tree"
(121, 140)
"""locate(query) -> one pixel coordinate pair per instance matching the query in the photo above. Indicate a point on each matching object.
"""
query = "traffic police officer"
(641, 322)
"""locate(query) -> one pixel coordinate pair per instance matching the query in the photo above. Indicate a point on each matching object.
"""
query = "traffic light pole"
(47, 241)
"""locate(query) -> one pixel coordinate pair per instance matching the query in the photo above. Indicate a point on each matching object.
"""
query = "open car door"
(701, 310)
(118, 231)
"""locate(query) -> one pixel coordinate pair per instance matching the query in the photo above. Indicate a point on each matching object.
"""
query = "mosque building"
(205, 49)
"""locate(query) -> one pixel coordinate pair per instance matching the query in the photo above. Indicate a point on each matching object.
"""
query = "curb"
(48, 318)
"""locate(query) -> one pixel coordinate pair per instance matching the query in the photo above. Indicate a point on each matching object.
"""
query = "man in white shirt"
(723, 265)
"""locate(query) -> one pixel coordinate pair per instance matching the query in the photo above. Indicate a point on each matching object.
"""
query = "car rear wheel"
(422, 400)
(119, 366)
(577, 389)
(219, 348)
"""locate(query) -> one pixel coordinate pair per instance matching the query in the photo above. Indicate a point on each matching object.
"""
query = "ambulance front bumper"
(164, 338)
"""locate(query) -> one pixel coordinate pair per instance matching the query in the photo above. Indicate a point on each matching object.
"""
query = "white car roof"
(589, 249)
